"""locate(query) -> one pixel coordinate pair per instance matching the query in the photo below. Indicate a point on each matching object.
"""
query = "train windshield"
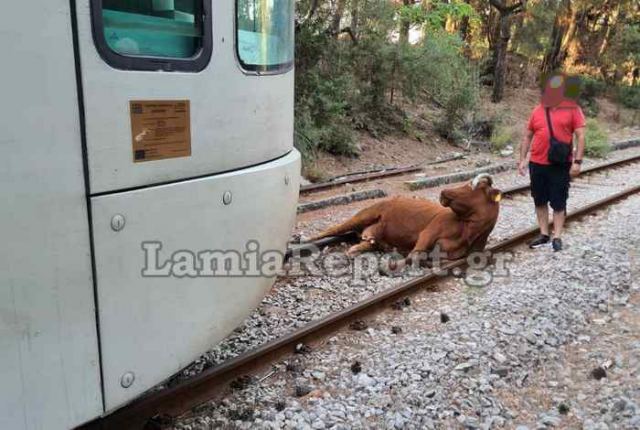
(153, 28)
(265, 34)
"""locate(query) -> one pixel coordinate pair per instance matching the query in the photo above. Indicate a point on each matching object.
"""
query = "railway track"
(305, 248)
(356, 177)
(150, 410)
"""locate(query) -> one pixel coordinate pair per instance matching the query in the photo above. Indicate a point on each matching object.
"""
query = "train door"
(189, 124)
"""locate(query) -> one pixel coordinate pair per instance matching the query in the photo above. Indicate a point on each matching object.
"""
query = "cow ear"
(494, 195)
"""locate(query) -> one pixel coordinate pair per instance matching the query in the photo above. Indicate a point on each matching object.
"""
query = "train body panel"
(49, 362)
(154, 323)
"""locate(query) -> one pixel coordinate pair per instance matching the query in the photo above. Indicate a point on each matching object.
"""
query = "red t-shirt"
(565, 119)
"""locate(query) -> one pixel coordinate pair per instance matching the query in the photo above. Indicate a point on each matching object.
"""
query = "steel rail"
(359, 177)
(354, 177)
(177, 400)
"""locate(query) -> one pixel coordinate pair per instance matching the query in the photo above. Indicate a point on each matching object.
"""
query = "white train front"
(127, 123)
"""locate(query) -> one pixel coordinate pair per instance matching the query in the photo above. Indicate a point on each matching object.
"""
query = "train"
(134, 134)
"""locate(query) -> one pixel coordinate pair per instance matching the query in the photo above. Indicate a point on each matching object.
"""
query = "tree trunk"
(337, 17)
(501, 37)
(500, 69)
(405, 25)
(354, 16)
(611, 21)
(564, 27)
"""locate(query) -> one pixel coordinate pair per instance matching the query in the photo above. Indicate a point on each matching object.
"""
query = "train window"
(153, 34)
(264, 36)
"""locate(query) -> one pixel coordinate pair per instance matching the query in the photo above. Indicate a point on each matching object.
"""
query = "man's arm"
(579, 152)
(525, 145)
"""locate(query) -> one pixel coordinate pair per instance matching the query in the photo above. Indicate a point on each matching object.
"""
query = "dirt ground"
(425, 145)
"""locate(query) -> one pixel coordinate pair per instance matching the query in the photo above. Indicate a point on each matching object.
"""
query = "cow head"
(476, 198)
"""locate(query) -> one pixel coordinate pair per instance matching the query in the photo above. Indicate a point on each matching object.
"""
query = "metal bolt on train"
(125, 123)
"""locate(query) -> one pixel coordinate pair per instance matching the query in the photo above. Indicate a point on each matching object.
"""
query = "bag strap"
(546, 110)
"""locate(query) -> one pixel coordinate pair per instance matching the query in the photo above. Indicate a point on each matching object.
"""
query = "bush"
(591, 88)
(501, 137)
(596, 140)
(344, 85)
(629, 97)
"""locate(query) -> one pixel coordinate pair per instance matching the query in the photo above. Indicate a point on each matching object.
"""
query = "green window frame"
(153, 35)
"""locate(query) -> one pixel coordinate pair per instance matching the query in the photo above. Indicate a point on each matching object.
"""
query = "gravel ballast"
(463, 357)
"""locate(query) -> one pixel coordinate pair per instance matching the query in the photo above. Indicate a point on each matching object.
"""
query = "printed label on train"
(160, 129)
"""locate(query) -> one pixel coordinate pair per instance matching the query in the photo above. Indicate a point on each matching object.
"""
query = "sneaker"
(557, 244)
(539, 241)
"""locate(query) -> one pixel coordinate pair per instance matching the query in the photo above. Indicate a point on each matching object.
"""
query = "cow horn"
(481, 176)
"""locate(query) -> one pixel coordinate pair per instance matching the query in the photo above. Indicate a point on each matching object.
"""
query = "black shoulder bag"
(559, 152)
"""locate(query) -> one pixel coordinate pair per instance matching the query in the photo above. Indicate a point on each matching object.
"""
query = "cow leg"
(481, 241)
(426, 240)
(363, 246)
(370, 240)
(359, 221)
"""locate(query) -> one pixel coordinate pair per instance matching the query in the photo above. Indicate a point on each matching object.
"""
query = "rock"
(598, 373)
(320, 376)
(531, 338)
(318, 425)
(365, 380)
(563, 408)
(465, 366)
(471, 423)
(550, 420)
(241, 382)
(499, 357)
(507, 152)
(293, 367)
(302, 348)
(500, 371)
(358, 325)
(302, 390)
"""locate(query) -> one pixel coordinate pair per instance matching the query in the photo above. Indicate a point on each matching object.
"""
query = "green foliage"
(344, 85)
(596, 140)
(629, 96)
(501, 137)
(435, 13)
(532, 37)
(624, 50)
(591, 88)
(437, 71)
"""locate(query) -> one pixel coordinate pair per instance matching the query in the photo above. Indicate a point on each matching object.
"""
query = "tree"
(505, 12)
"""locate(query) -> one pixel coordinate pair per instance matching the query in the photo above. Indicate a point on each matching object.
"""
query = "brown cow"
(460, 224)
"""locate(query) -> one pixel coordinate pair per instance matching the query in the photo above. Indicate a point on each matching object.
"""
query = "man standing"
(553, 122)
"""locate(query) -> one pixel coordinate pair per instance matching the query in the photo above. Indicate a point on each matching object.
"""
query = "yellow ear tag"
(497, 197)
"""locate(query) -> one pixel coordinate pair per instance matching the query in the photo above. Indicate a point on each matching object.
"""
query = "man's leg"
(558, 223)
(558, 201)
(540, 194)
(542, 213)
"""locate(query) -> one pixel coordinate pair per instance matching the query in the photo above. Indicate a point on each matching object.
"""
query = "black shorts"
(550, 184)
